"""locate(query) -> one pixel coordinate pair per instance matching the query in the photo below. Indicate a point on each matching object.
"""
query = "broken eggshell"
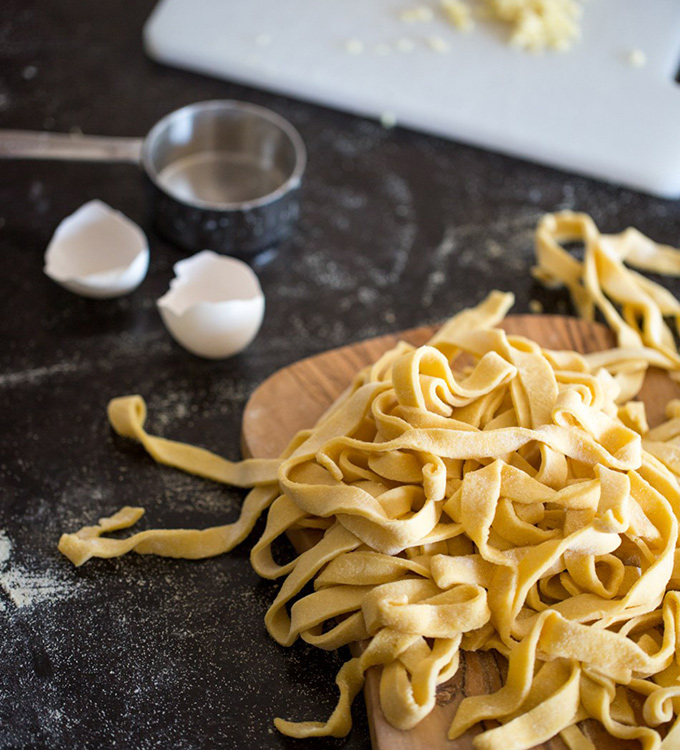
(214, 307)
(97, 252)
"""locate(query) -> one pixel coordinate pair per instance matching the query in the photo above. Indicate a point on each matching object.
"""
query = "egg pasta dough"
(480, 492)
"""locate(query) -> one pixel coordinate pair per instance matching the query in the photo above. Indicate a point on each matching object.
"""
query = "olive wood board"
(296, 396)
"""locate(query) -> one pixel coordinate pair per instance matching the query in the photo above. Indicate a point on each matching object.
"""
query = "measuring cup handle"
(27, 144)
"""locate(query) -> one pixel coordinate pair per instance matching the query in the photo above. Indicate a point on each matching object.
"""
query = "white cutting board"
(587, 110)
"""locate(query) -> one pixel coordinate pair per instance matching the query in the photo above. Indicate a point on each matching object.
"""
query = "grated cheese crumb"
(354, 46)
(438, 44)
(388, 120)
(405, 45)
(535, 306)
(458, 13)
(637, 58)
(419, 14)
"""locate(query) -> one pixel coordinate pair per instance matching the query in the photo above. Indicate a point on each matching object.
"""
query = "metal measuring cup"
(224, 174)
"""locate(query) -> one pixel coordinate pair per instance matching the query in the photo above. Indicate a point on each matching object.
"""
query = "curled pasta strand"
(127, 416)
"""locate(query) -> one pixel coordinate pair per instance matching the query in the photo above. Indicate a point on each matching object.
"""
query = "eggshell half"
(214, 307)
(97, 252)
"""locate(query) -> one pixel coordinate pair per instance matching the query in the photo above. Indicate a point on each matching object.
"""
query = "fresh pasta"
(602, 280)
(479, 492)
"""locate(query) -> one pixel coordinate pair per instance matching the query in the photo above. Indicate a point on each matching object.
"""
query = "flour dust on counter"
(22, 586)
(377, 250)
(149, 610)
(180, 497)
(502, 248)
(36, 375)
(184, 401)
(364, 232)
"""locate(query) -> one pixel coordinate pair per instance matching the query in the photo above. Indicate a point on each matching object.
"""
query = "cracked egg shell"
(214, 307)
(97, 252)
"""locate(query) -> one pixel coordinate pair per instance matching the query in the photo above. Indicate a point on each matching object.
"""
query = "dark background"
(398, 229)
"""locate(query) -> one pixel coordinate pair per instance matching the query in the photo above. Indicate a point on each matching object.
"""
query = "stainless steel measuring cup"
(224, 174)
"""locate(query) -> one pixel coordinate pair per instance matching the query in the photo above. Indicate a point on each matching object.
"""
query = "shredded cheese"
(535, 25)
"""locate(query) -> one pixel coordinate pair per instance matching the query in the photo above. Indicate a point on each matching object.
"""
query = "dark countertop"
(398, 229)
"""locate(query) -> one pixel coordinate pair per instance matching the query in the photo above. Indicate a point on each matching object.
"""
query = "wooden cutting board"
(295, 397)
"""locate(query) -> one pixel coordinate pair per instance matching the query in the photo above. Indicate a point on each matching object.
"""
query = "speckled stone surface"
(397, 230)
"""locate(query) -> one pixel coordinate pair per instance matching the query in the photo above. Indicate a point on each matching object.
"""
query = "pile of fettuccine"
(517, 501)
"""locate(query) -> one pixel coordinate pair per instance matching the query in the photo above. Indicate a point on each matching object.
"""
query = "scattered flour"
(36, 374)
(5, 549)
(25, 588)
(440, 261)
